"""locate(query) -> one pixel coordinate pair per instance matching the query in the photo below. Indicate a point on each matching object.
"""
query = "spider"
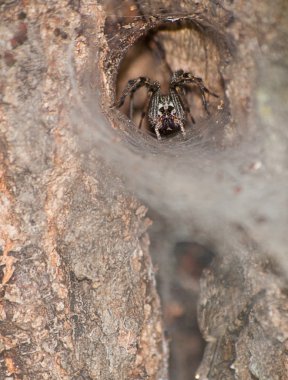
(167, 113)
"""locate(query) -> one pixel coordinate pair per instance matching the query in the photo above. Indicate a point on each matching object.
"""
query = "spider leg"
(201, 83)
(180, 78)
(141, 119)
(204, 100)
(182, 128)
(203, 90)
(156, 128)
(134, 84)
(143, 114)
(184, 103)
(131, 105)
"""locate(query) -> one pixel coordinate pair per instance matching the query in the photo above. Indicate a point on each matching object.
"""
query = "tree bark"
(78, 291)
(78, 288)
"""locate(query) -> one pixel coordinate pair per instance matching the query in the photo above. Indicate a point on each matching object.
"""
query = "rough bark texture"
(78, 290)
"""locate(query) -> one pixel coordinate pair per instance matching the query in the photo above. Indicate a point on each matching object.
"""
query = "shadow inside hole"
(178, 282)
(180, 310)
(157, 56)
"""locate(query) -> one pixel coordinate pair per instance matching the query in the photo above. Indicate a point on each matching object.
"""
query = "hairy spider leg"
(131, 105)
(134, 84)
(184, 103)
(182, 128)
(181, 125)
(156, 128)
(181, 78)
(203, 90)
(143, 114)
(204, 100)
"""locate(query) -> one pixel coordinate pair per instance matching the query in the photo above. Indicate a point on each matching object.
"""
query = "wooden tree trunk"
(78, 291)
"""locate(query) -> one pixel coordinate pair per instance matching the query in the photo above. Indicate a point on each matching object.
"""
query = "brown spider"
(167, 113)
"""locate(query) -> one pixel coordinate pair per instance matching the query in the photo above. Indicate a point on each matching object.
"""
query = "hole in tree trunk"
(187, 46)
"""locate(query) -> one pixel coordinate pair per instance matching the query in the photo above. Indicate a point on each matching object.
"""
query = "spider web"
(229, 175)
(225, 185)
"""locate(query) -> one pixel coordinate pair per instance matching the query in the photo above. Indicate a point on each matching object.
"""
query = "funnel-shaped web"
(223, 186)
(230, 172)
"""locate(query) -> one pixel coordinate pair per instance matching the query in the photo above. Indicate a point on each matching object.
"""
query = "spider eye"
(161, 109)
(170, 108)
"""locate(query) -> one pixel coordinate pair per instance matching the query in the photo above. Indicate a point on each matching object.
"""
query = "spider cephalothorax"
(167, 112)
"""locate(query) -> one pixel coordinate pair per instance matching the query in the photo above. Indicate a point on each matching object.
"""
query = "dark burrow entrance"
(180, 315)
(179, 293)
(160, 53)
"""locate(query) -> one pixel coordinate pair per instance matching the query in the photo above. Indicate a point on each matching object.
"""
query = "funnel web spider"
(167, 112)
